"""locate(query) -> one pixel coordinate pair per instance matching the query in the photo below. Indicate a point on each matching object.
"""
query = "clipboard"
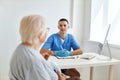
(68, 57)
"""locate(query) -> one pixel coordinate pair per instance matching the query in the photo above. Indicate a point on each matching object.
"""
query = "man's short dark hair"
(63, 19)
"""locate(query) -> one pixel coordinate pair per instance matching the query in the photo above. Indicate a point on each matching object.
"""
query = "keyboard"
(88, 56)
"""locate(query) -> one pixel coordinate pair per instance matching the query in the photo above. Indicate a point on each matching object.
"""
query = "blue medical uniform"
(54, 43)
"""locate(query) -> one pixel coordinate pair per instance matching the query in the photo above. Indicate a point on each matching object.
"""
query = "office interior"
(84, 26)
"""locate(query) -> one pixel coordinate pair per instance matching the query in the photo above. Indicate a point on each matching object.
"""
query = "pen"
(61, 48)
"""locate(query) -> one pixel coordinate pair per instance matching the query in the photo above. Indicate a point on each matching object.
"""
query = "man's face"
(63, 27)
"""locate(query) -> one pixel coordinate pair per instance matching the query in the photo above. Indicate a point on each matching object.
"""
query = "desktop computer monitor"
(105, 43)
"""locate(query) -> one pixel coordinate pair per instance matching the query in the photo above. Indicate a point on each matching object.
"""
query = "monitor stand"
(101, 57)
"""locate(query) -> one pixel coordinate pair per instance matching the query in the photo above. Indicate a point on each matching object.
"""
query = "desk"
(77, 62)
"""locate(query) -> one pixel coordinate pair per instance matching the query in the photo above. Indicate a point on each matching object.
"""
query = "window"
(105, 12)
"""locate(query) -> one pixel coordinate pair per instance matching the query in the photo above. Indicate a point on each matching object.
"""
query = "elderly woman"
(27, 63)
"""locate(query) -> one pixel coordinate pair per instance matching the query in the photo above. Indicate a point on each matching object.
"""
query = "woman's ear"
(68, 26)
(42, 36)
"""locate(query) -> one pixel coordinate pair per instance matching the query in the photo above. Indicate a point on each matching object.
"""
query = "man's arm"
(74, 52)
(46, 53)
(42, 50)
(77, 52)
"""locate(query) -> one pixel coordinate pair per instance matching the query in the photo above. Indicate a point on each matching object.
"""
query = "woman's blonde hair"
(30, 28)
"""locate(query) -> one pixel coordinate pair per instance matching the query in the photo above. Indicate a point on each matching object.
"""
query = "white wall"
(11, 12)
(78, 19)
(87, 18)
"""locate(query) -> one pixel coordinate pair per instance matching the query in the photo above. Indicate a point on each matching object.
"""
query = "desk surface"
(79, 62)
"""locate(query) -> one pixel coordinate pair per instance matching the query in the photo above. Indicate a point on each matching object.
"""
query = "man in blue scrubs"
(60, 44)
